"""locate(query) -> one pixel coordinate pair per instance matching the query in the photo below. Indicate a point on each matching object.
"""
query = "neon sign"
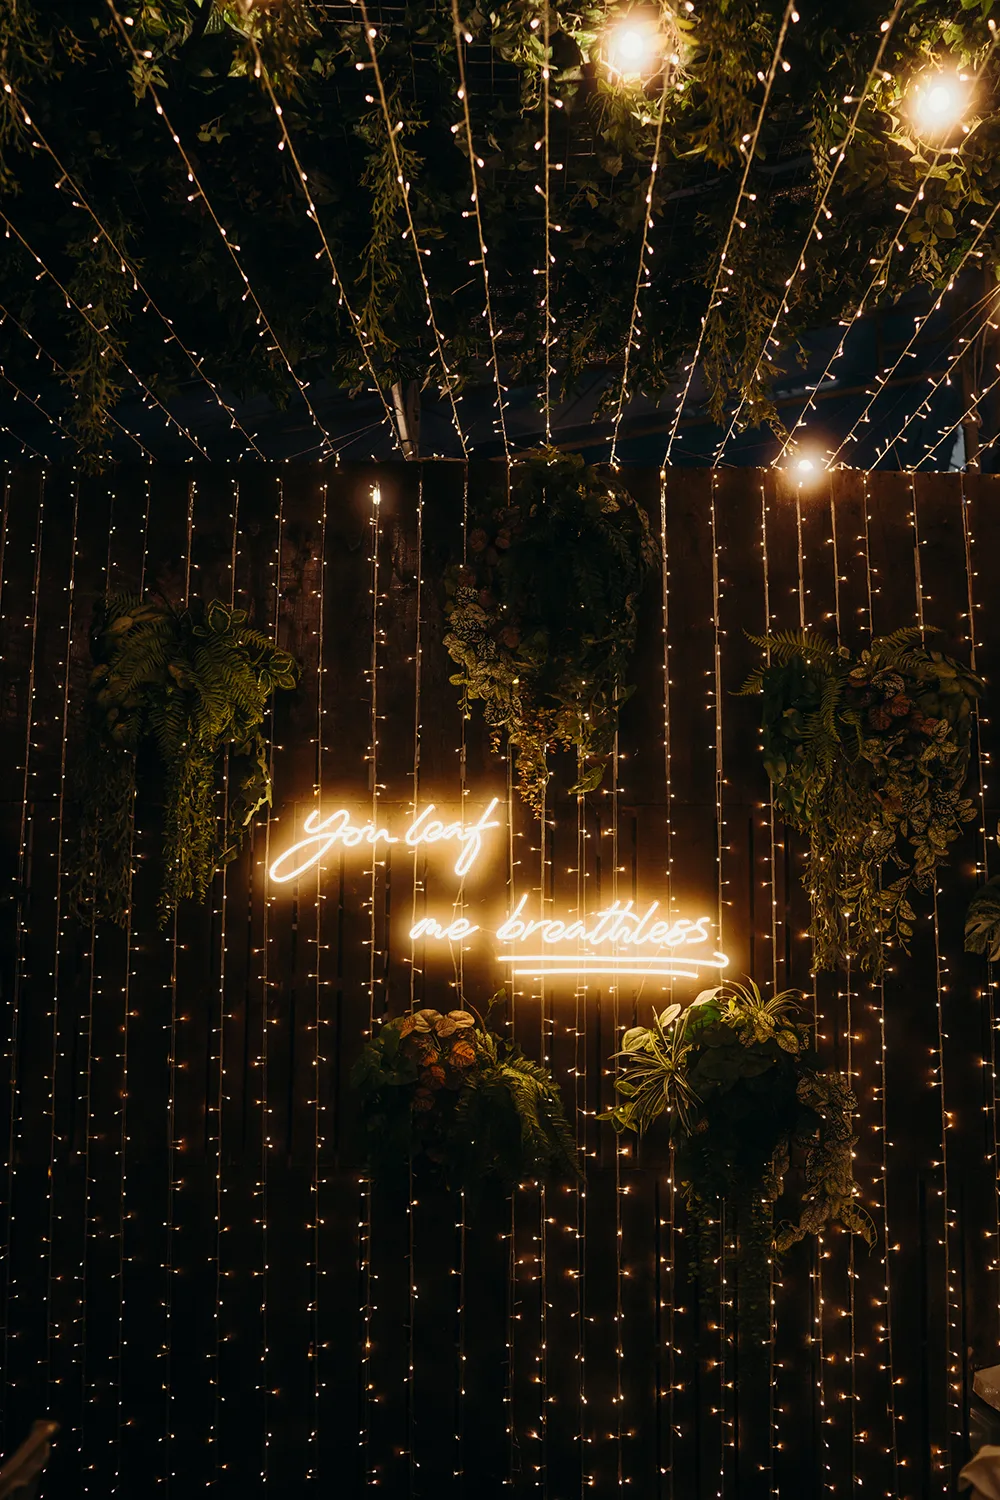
(617, 940)
(322, 835)
(626, 939)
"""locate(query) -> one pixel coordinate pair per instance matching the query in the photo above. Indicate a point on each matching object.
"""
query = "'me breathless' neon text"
(618, 940)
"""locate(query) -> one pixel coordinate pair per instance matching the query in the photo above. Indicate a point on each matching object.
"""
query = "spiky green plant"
(447, 1093)
(737, 1084)
(180, 694)
(868, 756)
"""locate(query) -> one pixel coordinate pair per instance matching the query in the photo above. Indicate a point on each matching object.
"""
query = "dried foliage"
(868, 756)
(738, 1085)
(542, 617)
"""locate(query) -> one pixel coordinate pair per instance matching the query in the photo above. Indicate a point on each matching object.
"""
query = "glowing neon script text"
(323, 834)
(617, 940)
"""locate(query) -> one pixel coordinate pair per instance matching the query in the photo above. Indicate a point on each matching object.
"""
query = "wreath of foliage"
(450, 1095)
(737, 1082)
(868, 756)
(178, 696)
(542, 617)
(72, 74)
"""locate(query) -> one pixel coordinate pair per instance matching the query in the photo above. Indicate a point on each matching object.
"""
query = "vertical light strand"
(267, 984)
(365, 1223)
(580, 1114)
(171, 1030)
(123, 1138)
(221, 1097)
(21, 896)
(319, 1061)
(418, 887)
(727, 1349)
(819, 1253)
(547, 167)
(51, 1323)
(513, 1315)
(619, 1190)
(460, 1226)
(887, 1364)
(90, 1222)
(982, 757)
(669, 1284)
(770, 886)
(852, 1275)
(949, 1227)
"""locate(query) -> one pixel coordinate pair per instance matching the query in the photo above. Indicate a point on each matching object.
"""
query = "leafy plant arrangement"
(868, 755)
(542, 617)
(450, 1094)
(172, 693)
(735, 1078)
(982, 921)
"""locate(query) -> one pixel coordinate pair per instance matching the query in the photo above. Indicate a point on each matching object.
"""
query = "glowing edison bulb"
(806, 466)
(940, 101)
(633, 48)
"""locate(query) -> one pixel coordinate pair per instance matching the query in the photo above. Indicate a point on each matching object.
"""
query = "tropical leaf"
(982, 922)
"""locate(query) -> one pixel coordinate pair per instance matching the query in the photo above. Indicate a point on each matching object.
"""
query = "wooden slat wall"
(199, 1285)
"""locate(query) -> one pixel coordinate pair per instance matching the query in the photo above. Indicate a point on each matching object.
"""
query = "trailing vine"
(71, 71)
(868, 756)
(448, 1093)
(542, 617)
(175, 697)
(735, 1079)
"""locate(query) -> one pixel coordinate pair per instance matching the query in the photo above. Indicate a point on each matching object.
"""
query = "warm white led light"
(939, 101)
(633, 48)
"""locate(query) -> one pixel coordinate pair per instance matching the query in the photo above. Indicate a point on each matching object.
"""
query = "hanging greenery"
(72, 73)
(542, 616)
(735, 1078)
(868, 756)
(450, 1094)
(982, 921)
(176, 696)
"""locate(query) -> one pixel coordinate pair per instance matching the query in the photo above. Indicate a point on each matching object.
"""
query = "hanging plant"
(179, 695)
(450, 1094)
(542, 616)
(982, 921)
(735, 1078)
(868, 756)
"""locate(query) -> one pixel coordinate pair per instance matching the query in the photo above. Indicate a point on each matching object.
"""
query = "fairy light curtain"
(198, 1282)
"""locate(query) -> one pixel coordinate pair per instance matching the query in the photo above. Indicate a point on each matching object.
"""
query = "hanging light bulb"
(632, 49)
(939, 101)
(806, 465)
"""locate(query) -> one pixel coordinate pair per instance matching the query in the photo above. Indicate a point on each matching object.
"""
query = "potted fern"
(177, 698)
(446, 1092)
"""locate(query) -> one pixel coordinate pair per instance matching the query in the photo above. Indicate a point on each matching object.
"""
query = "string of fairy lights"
(232, 249)
(128, 267)
(822, 212)
(6, 316)
(539, 1271)
(749, 148)
(393, 128)
(476, 164)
